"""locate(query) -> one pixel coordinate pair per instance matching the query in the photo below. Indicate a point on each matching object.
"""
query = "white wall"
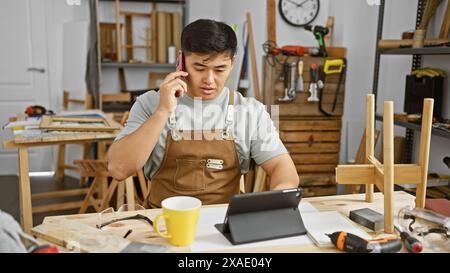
(60, 16)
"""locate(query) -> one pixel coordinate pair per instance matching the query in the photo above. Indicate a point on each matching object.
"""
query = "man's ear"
(233, 59)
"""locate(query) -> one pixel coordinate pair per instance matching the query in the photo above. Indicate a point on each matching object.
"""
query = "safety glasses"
(109, 216)
(432, 234)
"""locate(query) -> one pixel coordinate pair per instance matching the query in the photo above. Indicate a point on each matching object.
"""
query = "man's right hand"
(171, 85)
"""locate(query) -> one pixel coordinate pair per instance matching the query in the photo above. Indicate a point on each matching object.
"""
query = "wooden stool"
(98, 169)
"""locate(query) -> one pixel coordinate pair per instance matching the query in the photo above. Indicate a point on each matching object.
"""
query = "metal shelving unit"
(416, 63)
(417, 127)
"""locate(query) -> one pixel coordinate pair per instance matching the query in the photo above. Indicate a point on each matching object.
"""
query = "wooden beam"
(370, 138)
(118, 34)
(251, 46)
(445, 27)
(388, 161)
(354, 174)
(424, 152)
(26, 215)
(58, 194)
(271, 21)
(59, 206)
(330, 25)
(407, 173)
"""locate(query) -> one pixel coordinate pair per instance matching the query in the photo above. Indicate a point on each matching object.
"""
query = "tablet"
(259, 216)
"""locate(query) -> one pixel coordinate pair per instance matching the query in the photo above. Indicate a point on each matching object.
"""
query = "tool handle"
(412, 244)
(313, 72)
(388, 246)
(286, 75)
(300, 68)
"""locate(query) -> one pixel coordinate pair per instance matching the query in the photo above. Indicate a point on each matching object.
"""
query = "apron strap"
(228, 131)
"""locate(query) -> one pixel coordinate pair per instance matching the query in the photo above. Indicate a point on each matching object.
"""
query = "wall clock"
(299, 13)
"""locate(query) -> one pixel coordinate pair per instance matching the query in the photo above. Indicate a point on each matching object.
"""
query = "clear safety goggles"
(433, 234)
(109, 216)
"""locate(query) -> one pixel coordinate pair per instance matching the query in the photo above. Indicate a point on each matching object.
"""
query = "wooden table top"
(78, 232)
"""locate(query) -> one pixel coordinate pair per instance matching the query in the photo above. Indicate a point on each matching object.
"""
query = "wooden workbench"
(64, 230)
(25, 196)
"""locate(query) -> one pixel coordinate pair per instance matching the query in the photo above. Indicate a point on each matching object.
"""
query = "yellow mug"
(181, 216)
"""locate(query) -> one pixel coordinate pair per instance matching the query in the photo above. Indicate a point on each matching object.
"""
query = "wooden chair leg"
(142, 183)
(59, 170)
(85, 157)
(89, 194)
(108, 195)
(120, 194)
(129, 188)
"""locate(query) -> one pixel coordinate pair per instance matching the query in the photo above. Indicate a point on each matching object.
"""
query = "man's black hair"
(208, 37)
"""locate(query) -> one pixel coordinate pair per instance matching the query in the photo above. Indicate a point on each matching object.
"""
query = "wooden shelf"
(417, 127)
(417, 51)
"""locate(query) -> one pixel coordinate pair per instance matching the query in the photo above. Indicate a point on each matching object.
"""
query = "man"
(196, 137)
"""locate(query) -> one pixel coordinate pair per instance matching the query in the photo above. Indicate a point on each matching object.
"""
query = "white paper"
(208, 238)
(318, 224)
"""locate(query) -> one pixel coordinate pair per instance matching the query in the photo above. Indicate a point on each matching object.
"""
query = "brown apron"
(208, 168)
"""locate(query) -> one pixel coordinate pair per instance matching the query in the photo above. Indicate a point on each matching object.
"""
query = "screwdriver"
(412, 244)
(349, 242)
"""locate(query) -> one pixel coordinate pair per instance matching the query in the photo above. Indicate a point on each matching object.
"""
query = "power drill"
(351, 243)
(319, 32)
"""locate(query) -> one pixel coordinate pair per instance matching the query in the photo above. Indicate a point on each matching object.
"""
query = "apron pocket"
(190, 175)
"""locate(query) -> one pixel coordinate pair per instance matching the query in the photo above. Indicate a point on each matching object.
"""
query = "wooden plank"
(76, 236)
(355, 174)
(161, 37)
(118, 32)
(59, 206)
(407, 174)
(154, 36)
(388, 160)
(177, 26)
(315, 168)
(424, 151)
(60, 162)
(129, 36)
(332, 158)
(26, 217)
(306, 125)
(251, 46)
(133, 13)
(306, 148)
(58, 194)
(312, 137)
(271, 21)
(311, 109)
(370, 139)
(169, 32)
(445, 27)
(116, 97)
(330, 25)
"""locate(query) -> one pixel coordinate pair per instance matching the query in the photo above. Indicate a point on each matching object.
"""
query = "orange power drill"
(351, 243)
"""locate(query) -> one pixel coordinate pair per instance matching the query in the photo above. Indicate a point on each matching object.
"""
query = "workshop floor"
(9, 195)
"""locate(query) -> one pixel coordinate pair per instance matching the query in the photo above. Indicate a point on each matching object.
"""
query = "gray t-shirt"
(255, 134)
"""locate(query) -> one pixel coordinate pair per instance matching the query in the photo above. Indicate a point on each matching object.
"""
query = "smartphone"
(180, 66)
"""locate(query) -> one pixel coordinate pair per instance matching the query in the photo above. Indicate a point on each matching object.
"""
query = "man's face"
(207, 74)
